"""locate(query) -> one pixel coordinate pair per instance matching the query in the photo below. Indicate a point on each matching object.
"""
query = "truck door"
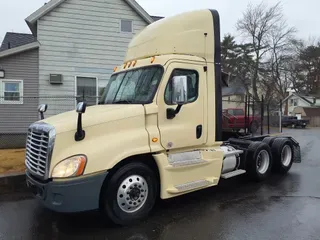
(188, 127)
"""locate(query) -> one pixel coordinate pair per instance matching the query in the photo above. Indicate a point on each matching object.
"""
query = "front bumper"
(68, 196)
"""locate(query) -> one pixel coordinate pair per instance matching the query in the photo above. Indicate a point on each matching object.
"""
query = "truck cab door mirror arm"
(171, 113)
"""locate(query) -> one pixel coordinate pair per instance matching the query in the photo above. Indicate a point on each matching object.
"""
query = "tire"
(283, 155)
(293, 126)
(254, 126)
(259, 161)
(269, 140)
(127, 207)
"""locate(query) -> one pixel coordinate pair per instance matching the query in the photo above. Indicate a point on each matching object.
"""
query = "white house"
(72, 51)
(296, 100)
(80, 43)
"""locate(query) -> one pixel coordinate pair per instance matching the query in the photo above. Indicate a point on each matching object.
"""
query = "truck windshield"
(137, 86)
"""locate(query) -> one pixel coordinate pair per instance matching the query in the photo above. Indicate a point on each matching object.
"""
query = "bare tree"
(257, 25)
(281, 53)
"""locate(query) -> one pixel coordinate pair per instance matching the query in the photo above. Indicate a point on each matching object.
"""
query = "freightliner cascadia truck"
(156, 132)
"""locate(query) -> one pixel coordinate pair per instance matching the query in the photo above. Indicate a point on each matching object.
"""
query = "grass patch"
(12, 161)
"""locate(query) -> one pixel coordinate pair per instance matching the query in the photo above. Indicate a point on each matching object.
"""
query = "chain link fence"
(241, 115)
(17, 113)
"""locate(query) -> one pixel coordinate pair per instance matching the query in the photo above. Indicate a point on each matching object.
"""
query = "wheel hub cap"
(286, 155)
(132, 194)
(263, 162)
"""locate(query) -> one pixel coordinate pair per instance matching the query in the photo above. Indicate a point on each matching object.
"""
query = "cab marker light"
(134, 63)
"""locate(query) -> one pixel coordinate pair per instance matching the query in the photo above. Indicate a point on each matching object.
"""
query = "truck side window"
(193, 85)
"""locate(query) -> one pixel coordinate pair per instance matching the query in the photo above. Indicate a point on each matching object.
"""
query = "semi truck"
(156, 132)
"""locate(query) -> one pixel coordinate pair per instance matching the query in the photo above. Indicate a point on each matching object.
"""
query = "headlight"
(70, 167)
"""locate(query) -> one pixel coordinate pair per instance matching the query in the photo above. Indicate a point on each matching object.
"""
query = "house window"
(86, 90)
(126, 26)
(11, 91)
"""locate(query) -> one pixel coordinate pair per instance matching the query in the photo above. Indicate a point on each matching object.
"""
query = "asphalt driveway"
(283, 207)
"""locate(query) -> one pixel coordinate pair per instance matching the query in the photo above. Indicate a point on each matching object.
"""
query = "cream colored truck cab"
(155, 133)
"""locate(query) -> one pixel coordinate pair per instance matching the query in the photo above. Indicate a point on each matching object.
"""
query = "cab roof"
(190, 33)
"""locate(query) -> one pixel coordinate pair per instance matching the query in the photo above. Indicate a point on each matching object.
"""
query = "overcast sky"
(303, 14)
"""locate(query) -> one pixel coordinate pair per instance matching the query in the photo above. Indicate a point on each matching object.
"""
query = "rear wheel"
(283, 155)
(130, 194)
(269, 140)
(258, 161)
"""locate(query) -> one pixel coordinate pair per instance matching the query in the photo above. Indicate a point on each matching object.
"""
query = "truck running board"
(190, 186)
(233, 174)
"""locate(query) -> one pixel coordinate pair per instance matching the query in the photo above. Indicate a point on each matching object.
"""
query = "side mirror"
(42, 109)
(180, 90)
(179, 95)
(81, 107)
(80, 134)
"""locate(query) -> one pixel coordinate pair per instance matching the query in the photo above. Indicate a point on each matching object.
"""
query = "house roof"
(304, 98)
(13, 40)
(312, 111)
(20, 49)
(156, 18)
(235, 88)
(48, 7)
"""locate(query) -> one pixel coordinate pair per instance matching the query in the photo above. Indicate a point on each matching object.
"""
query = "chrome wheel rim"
(132, 194)
(286, 155)
(263, 161)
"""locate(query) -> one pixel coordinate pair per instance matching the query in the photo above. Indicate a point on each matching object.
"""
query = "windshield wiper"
(122, 102)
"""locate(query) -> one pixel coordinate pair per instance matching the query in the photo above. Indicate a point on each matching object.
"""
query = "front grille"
(38, 149)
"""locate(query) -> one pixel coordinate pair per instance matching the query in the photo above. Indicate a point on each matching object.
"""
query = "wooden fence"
(314, 121)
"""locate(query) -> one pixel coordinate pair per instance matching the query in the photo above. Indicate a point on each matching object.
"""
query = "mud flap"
(297, 154)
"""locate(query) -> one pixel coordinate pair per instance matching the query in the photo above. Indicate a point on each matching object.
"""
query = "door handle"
(199, 131)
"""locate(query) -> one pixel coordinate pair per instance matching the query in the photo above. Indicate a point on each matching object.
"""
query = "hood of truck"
(94, 115)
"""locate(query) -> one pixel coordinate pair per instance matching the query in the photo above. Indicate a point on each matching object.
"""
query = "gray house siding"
(15, 118)
(82, 38)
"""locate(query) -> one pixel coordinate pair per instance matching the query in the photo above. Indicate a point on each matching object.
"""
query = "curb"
(13, 182)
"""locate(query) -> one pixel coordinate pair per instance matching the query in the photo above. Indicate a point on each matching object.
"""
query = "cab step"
(233, 174)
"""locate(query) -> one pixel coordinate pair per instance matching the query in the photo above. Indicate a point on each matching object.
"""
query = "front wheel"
(130, 194)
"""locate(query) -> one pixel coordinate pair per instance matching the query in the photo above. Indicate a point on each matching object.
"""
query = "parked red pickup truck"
(234, 119)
